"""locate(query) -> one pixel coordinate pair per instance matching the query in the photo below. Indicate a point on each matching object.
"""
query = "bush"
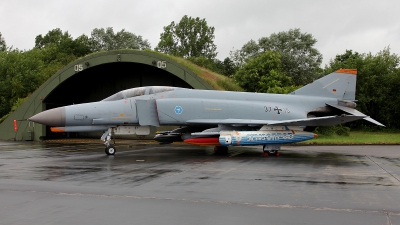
(327, 131)
(339, 130)
(342, 130)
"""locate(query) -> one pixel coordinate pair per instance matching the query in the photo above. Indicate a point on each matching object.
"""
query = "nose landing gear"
(110, 149)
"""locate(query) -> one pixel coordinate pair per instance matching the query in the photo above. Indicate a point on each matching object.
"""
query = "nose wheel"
(110, 149)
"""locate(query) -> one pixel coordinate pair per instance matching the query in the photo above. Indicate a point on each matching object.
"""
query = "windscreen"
(139, 91)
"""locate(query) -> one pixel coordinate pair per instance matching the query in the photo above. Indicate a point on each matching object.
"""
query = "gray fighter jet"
(217, 118)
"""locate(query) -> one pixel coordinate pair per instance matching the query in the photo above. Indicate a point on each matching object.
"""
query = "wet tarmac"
(146, 183)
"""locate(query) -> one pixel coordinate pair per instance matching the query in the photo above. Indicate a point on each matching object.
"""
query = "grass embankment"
(217, 81)
(357, 138)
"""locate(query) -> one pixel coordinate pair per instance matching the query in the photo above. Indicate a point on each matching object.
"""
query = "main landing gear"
(271, 150)
(110, 149)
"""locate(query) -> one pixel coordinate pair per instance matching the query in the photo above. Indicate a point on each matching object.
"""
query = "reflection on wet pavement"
(310, 178)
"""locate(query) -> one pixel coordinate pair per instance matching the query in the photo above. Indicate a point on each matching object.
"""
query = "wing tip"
(369, 119)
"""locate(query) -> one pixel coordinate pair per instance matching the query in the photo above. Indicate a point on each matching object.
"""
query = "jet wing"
(315, 121)
(355, 113)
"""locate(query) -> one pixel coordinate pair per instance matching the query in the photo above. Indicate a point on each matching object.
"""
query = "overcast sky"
(362, 26)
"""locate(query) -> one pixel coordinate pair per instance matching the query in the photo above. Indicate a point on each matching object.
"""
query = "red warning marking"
(15, 126)
(203, 141)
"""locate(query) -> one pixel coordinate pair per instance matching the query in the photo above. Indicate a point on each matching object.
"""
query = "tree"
(378, 77)
(249, 50)
(229, 67)
(3, 46)
(264, 74)
(62, 42)
(191, 37)
(300, 60)
(20, 74)
(55, 36)
(106, 40)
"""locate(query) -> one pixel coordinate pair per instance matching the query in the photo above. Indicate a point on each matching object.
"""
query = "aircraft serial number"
(276, 109)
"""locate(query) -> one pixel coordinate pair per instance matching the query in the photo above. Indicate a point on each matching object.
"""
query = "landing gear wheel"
(221, 150)
(271, 153)
(271, 150)
(110, 150)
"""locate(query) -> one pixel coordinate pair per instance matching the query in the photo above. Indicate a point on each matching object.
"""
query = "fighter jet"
(216, 118)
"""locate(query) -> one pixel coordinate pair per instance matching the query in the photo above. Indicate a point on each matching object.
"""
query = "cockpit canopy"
(139, 91)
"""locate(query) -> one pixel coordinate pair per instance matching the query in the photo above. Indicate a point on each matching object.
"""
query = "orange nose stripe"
(57, 129)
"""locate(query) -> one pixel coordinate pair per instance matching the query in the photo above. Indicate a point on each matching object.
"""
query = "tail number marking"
(276, 109)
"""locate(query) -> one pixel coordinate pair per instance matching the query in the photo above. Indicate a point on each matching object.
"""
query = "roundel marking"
(178, 110)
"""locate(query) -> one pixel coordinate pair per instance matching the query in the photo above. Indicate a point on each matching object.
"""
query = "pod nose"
(52, 117)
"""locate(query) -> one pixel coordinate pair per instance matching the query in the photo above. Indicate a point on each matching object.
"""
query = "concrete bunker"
(93, 78)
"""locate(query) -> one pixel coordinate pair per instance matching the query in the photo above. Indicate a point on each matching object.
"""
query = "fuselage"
(180, 105)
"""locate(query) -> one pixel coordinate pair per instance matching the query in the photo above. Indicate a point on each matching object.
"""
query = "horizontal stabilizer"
(315, 121)
(355, 113)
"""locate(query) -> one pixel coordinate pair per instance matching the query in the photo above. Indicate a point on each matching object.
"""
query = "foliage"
(229, 67)
(191, 37)
(3, 45)
(228, 84)
(339, 130)
(342, 130)
(106, 40)
(225, 68)
(248, 51)
(20, 74)
(326, 130)
(263, 74)
(299, 58)
(62, 42)
(377, 84)
(211, 64)
(217, 81)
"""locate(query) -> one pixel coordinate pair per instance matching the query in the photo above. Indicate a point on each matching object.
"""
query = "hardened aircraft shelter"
(93, 78)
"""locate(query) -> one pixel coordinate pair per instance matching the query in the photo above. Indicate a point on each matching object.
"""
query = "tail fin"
(340, 84)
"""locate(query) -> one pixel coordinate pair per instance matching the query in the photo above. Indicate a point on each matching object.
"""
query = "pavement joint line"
(280, 206)
(383, 169)
(389, 221)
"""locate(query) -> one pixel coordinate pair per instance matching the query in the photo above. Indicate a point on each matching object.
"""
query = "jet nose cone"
(52, 117)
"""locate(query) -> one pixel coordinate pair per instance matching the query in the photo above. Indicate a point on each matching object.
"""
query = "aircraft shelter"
(93, 78)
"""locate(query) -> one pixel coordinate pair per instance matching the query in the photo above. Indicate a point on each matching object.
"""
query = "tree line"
(279, 63)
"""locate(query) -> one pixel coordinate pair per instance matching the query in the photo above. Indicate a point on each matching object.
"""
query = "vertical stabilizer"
(340, 84)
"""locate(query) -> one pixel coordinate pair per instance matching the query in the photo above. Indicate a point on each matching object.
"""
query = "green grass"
(356, 138)
(217, 81)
